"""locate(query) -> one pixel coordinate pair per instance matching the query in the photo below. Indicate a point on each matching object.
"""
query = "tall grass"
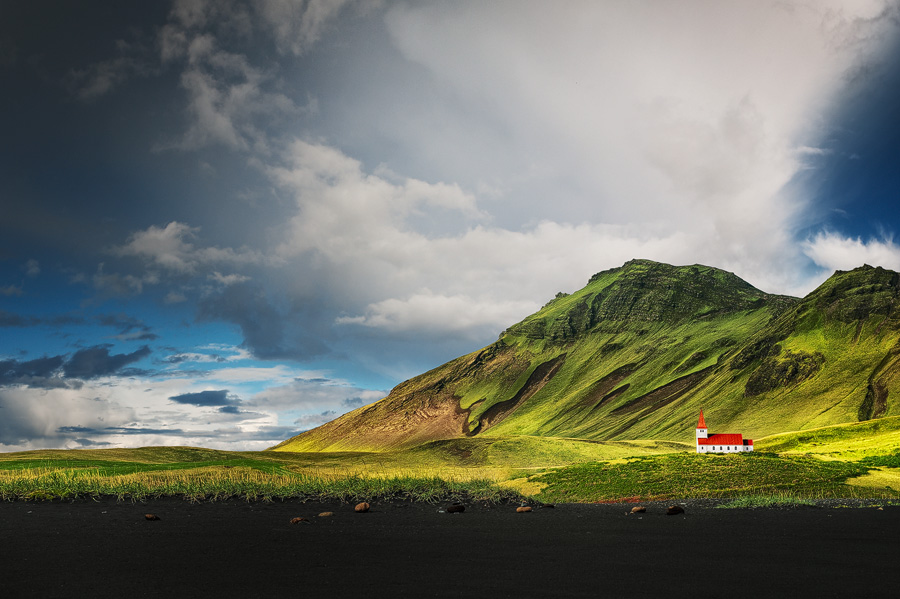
(243, 483)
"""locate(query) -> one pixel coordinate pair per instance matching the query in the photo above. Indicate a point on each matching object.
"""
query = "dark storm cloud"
(37, 373)
(207, 398)
(90, 443)
(39, 367)
(96, 361)
(193, 357)
(56, 372)
(230, 410)
(267, 331)
(352, 402)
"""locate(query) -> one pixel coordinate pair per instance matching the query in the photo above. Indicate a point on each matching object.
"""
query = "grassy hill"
(639, 351)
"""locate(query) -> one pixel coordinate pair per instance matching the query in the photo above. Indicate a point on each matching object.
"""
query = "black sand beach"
(236, 549)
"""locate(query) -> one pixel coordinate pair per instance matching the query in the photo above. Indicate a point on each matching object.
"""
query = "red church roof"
(702, 423)
(723, 439)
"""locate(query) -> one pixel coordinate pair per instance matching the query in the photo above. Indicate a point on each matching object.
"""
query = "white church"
(721, 443)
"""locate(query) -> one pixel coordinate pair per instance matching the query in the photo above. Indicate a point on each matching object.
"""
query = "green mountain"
(640, 350)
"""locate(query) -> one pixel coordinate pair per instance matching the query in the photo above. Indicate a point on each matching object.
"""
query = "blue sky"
(226, 222)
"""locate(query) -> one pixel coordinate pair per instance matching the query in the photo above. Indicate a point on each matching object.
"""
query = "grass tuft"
(777, 500)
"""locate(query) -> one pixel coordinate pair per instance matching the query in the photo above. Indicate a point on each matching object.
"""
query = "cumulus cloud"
(694, 113)
(231, 101)
(833, 251)
(360, 227)
(227, 97)
(428, 312)
(172, 248)
(32, 419)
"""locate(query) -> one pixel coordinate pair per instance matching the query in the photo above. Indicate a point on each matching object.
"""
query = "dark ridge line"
(498, 412)
(665, 394)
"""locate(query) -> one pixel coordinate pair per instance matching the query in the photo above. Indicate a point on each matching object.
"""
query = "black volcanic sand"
(105, 548)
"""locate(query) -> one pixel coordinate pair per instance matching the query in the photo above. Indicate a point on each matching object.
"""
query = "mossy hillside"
(852, 358)
(850, 442)
(642, 292)
(857, 359)
(665, 344)
(660, 355)
(640, 350)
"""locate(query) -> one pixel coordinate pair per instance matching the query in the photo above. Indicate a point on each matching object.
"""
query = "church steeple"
(701, 430)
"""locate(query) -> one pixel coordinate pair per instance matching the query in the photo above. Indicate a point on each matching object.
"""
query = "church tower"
(701, 431)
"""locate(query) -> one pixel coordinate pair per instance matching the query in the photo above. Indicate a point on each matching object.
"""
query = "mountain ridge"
(637, 351)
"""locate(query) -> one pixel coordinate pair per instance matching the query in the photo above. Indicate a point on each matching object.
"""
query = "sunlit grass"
(704, 476)
(218, 483)
(552, 470)
(774, 500)
(854, 441)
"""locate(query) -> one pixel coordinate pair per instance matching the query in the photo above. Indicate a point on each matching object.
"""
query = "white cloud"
(356, 234)
(171, 248)
(138, 411)
(231, 279)
(833, 251)
(695, 114)
(428, 312)
(32, 417)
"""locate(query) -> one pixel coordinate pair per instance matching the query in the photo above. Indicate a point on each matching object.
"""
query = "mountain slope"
(637, 352)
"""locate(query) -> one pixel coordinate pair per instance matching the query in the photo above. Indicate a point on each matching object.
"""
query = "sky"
(225, 222)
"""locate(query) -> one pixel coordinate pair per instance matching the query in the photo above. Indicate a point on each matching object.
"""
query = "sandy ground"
(237, 549)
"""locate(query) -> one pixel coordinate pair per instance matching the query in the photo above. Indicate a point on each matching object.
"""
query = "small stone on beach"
(638, 509)
(361, 508)
(523, 509)
(298, 520)
(326, 514)
(674, 510)
(151, 517)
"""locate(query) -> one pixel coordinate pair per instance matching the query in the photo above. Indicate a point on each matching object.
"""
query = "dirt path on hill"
(236, 549)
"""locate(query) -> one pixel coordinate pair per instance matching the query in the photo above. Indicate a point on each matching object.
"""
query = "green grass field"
(681, 476)
(828, 462)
